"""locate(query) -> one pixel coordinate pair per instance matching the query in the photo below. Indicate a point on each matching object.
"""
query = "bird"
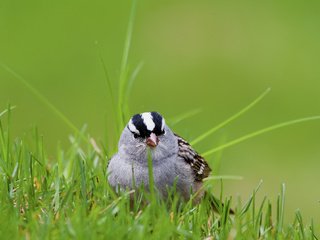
(174, 161)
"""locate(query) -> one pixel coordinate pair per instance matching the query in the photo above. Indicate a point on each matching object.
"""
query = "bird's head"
(148, 130)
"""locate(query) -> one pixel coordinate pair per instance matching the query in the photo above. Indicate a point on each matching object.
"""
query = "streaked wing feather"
(199, 165)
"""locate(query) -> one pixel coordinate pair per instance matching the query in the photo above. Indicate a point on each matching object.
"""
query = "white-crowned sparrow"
(174, 160)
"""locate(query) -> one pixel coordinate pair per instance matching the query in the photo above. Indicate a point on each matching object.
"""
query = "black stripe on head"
(137, 121)
(159, 123)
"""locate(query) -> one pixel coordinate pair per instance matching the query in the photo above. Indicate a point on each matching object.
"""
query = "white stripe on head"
(132, 127)
(163, 124)
(148, 120)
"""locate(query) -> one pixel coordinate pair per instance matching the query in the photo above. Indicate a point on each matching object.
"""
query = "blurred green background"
(213, 55)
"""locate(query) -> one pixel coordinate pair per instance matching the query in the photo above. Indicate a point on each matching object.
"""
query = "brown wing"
(199, 165)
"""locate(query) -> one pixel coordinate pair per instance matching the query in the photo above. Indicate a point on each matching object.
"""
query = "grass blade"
(151, 179)
(280, 209)
(107, 78)
(301, 226)
(7, 110)
(260, 132)
(216, 163)
(108, 86)
(124, 66)
(130, 83)
(312, 231)
(132, 78)
(232, 118)
(184, 116)
(41, 97)
(224, 177)
(251, 199)
(258, 222)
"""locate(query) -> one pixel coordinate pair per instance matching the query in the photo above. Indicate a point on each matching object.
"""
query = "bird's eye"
(135, 135)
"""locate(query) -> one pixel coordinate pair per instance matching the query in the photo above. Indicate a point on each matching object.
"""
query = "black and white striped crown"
(144, 124)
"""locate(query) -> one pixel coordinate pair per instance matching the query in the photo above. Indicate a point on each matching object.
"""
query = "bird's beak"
(152, 141)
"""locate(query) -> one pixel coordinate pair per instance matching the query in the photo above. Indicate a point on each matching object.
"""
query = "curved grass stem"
(232, 118)
(259, 132)
(43, 99)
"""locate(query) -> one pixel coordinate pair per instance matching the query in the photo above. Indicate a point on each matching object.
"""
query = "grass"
(68, 197)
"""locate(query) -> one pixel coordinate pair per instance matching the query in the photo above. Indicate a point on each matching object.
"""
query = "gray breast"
(121, 172)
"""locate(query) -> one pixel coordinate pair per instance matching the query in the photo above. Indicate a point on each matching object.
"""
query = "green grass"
(67, 195)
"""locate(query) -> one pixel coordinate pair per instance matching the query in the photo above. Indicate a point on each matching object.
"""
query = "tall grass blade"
(313, 236)
(224, 177)
(280, 209)
(232, 118)
(56, 196)
(258, 222)
(130, 84)
(3, 152)
(7, 110)
(216, 163)
(109, 87)
(300, 222)
(132, 79)
(8, 135)
(124, 66)
(151, 178)
(41, 97)
(108, 84)
(268, 218)
(260, 132)
(246, 207)
(184, 116)
(83, 182)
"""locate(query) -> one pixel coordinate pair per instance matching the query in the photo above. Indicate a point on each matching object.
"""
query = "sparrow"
(174, 161)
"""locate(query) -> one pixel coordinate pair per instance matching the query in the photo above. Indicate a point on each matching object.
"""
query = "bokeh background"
(211, 55)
